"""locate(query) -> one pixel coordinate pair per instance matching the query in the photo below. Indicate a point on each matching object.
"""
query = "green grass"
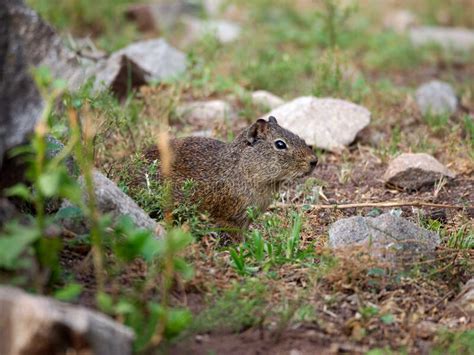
(103, 20)
(452, 343)
(272, 245)
(237, 309)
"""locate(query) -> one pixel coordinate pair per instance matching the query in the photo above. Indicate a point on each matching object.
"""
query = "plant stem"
(84, 156)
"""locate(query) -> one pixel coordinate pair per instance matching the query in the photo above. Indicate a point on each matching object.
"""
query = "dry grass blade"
(372, 204)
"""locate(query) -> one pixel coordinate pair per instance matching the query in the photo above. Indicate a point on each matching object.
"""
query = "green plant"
(436, 121)
(103, 19)
(272, 69)
(332, 80)
(114, 244)
(237, 309)
(447, 342)
(335, 17)
(270, 247)
(49, 179)
(463, 238)
(469, 128)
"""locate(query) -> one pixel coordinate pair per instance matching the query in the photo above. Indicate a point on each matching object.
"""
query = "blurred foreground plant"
(116, 245)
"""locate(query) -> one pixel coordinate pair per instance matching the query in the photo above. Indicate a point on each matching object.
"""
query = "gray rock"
(449, 38)
(205, 113)
(326, 123)
(386, 236)
(465, 298)
(266, 99)
(110, 199)
(413, 171)
(225, 31)
(20, 102)
(41, 46)
(139, 63)
(40, 325)
(437, 98)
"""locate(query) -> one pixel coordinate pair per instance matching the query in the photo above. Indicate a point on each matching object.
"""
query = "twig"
(445, 297)
(371, 204)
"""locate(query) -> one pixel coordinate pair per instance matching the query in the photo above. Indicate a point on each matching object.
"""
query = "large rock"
(411, 171)
(385, 236)
(140, 63)
(40, 45)
(266, 99)
(110, 199)
(205, 113)
(40, 325)
(327, 123)
(465, 299)
(449, 38)
(20, 102)
(436, 98)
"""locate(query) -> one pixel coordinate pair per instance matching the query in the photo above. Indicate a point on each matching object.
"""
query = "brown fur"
(231, 177)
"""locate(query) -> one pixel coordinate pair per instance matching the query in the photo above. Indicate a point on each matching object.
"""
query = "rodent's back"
(197, 158)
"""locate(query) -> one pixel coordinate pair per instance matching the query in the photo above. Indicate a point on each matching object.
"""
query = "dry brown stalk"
(372, 204)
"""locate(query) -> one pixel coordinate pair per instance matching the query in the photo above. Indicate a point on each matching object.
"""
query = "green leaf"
(177, 240)
(69, 292)
(105, 302)
(15, 240)
(186, 270)
(125, 307)
(151, 248)
(70, 212)
(387, 318)
(48, 183)
(19, 190)
(177, 321)
(238, 261)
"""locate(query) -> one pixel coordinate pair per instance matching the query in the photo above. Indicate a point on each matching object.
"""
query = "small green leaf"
(387, 318)
(186, 270)
(105, 302)
(69, 292)
(177, 321)
(15, 240)
(19, 190)
(49, 183)
(70, 212)
(125, 307)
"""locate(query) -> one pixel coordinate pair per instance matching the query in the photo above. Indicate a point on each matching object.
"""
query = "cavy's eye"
(279, 144)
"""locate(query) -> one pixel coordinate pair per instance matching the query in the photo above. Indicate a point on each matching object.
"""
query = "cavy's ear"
(258, 130)
(272, 119)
